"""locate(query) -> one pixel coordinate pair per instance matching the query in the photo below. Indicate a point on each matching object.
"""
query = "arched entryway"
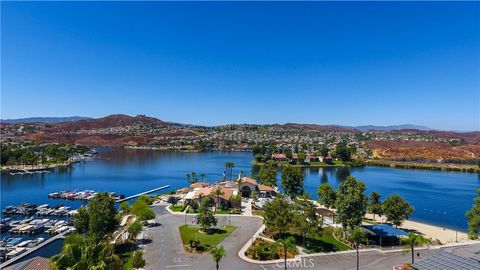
(246, 191)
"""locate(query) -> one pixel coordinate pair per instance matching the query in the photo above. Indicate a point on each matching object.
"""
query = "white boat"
(36, 242)
(24, 243)
(15, 252)
(60, 222)
(62, 229)
(43, 206)
(25, 228)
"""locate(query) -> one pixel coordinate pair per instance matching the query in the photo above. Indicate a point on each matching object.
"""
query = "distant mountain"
(114, 120)
(393, 127)
(43, 119)
(318, 127)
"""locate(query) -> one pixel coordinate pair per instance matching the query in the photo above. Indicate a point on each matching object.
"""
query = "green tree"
(188, 178)
(305, 219)
(125, 207)
(342, 151)
(82, 220)
(326, 195)
(236, 201)
(288, 153)
(324, 151)
(268, 174)
(147, 199)
(357, 236)
(228, 170)
(202, 175)
(396, 209)
(217, 254)
(194, 178)
(278, 216)
(374, 205)
(137, 259)
(287, 244)
(218, 193)
(351, 202)
(102, 214)
(205, 217)
(84, 253)
(142, 211)
(473, 217)
(134, 230)
(301, 157)
(412, 241)
(292, 181)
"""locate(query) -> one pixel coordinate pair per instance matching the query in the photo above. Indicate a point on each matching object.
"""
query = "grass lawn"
(323, 242)
(318, 163)
(368, 221)
(338, 162)
(257, 212)
(176, 207)
(221, 211)
(189, 233)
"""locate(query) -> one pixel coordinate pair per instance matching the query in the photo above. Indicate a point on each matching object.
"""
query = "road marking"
(178, 265)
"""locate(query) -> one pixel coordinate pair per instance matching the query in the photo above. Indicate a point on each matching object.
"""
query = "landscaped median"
(197, 240)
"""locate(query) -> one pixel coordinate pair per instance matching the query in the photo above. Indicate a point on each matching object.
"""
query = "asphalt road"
(164, 250)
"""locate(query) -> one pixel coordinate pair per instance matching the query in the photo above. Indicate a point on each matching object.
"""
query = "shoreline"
(445, 235)
(428, 230)
(34, 168)
(410, 165)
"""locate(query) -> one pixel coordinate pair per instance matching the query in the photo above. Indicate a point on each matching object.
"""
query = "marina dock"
(30, 250)
(142, 193)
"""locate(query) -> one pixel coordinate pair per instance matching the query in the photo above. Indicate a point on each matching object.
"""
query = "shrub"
(147, 199)
(137, 260)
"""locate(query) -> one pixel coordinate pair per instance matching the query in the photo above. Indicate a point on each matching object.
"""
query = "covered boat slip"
(384, 234)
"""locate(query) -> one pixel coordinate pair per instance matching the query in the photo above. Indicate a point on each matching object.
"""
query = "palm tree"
(217, 254)
(287, 243)
(202, 175)
(412, 241)
(357, 236)
(188, 179)
(194, 177)
(218, 193)
(229, 169)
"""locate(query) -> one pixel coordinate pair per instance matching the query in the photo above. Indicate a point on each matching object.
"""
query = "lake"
(440, 198)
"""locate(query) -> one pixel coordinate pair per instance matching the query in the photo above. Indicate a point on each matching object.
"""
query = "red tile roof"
(199, 185)
(264, 188)
(248, 180)
(37, 263)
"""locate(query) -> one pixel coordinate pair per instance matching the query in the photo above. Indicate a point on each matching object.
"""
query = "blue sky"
(216, 63)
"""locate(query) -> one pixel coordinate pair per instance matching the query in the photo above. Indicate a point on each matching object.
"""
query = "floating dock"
(142, 193)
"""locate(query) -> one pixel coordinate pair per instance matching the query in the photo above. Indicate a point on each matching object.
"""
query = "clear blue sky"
(216, 63)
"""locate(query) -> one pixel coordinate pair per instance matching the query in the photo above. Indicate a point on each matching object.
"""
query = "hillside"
(43, 119)
(331, 128)
(115, 120)
(392, 127)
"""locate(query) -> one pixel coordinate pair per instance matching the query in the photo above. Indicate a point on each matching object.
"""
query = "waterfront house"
(265, 191)
(312, 158)
(247, 185)
(279, 157)
(327, 159)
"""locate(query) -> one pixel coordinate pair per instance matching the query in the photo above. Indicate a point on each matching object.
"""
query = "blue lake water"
(440, 198)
